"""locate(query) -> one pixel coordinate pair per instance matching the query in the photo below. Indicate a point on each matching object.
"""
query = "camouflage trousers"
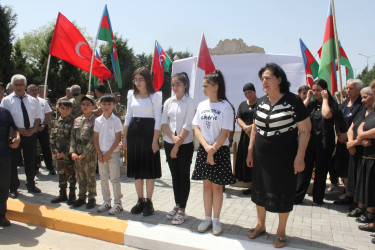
(86, 177)
(65, 170)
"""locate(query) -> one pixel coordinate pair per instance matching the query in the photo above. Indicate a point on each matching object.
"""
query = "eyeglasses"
(138, 80)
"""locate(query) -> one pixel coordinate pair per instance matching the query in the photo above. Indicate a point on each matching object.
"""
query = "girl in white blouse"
(141, 134)
(176, 121)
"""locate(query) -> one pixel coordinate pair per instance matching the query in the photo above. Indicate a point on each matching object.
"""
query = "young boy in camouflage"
(60, 145)
(83, 153)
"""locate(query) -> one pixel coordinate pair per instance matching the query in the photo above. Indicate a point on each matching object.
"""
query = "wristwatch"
(42, 125)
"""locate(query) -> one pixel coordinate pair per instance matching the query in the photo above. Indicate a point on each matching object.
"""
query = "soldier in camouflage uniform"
(83, 153)
(119, 109)
(76, 100)
(60, 144)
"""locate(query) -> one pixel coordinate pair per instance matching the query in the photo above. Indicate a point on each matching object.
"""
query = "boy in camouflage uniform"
(60, 144)
(83, 153)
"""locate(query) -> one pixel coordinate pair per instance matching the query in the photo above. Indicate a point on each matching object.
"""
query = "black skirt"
(354, 162)
(142, 162)
(341, 160)
(243, 172)
(365, 187)
(220, 173)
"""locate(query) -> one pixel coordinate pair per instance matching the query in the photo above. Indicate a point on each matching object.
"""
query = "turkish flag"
(69, 45)
(204, 60)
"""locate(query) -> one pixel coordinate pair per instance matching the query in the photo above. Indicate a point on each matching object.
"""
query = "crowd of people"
(286, 140)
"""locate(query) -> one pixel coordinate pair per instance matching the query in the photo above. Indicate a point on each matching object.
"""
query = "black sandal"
(356, 212)
(367, 217)
(281, 241)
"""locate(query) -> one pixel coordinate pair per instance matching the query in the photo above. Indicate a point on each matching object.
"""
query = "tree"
(8, 21)
(367, 75)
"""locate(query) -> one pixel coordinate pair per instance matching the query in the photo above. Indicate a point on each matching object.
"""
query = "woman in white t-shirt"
(176, 120)
(141, 138)
(213, 121)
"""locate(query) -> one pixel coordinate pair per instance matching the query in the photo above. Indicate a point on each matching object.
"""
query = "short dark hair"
(107, 98)
(278, 72)
(184, 78)
(65, 103)
(145, 73)
(100, 88)
(303, 88)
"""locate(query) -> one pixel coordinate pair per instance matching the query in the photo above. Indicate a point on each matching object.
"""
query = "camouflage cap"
(116, 94)
(89, 98)
(41, 87)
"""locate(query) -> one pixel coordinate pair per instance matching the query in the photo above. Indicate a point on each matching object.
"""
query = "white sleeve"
(118, 125)
(129, 111)
(164, 116)
(190, 111)
(96, 126)
(157, 99)
(47, 108)
(38, 113)
(228, 118)
(195, 121)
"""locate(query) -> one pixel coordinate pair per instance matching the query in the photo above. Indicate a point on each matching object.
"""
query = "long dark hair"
(277, 71)
(217, 78)
(145, 73)
(323, 84)
(184, 78)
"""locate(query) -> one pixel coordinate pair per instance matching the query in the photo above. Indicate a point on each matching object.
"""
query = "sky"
(274, 25)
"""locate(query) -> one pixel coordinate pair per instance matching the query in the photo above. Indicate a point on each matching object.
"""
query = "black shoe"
(344, 201)
(13, 194)
(138, 208)
(148, 208)
(367, 227)
(367, 217)
(247, 192)
(373, 241)
(72, 199)
(59, 199)
(91, 204)
(52, 172)
(356, 212)
(4, 221)
(33, 189)
(79, 202)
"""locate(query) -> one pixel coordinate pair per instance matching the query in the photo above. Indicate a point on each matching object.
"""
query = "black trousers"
(318, 157)
(180, 170)
(5, 169)
(28, 146)
(43, 138)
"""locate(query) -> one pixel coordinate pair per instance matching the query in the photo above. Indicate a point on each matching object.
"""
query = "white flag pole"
(96, 41)
(45, 80)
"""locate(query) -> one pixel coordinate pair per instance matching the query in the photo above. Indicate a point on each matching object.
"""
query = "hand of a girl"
(210, 159)
(155, 147)
(174, 152)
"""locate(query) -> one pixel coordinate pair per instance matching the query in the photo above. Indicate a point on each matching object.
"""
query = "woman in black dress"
(245, 118)
(323, 112)
(278, 142)
(355, 147)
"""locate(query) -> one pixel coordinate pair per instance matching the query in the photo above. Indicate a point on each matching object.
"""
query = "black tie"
(26, 120)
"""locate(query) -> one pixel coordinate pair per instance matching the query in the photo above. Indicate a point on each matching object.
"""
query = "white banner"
(238, 70)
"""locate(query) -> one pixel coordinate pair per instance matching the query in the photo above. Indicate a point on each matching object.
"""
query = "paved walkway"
(325, 227)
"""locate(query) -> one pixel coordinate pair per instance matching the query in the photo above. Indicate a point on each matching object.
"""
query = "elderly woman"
(323, 112)
(348, 110)
(278, 142)
(355, 148)
(245, 115)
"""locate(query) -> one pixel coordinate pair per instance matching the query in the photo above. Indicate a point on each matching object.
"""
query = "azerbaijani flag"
(328, 54)
(98, 80)
(160, 64)
(311, 65)
(344, 61)
(105, 34)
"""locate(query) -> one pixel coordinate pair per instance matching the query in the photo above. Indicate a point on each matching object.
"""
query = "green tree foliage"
(367, 75)
(8, 21)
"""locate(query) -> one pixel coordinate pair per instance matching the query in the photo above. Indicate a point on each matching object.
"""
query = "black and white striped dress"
(275, 148)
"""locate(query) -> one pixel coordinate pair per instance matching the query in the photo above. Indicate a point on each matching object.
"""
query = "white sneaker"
(117, 208)
(104, 207)
(179, 218)
(204, 226)
(172, 214)
(216, 228)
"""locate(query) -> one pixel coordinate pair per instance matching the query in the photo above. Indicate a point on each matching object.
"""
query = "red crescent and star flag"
(160, 64)
(311, 65)
(69, 45)
(204, 59)
(106, 34)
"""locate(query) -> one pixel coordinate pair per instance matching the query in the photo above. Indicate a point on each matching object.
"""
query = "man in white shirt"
(26, 115)
(42, 135)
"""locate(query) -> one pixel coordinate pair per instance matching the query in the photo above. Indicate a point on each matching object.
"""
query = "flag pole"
(153, 57)
(45, 80)
(93, 54)
(337, 46)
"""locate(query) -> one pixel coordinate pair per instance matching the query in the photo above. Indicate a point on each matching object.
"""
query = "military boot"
(72, 196)
(62, 196)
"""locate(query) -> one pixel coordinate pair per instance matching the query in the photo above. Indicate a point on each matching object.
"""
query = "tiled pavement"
(325, 227)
